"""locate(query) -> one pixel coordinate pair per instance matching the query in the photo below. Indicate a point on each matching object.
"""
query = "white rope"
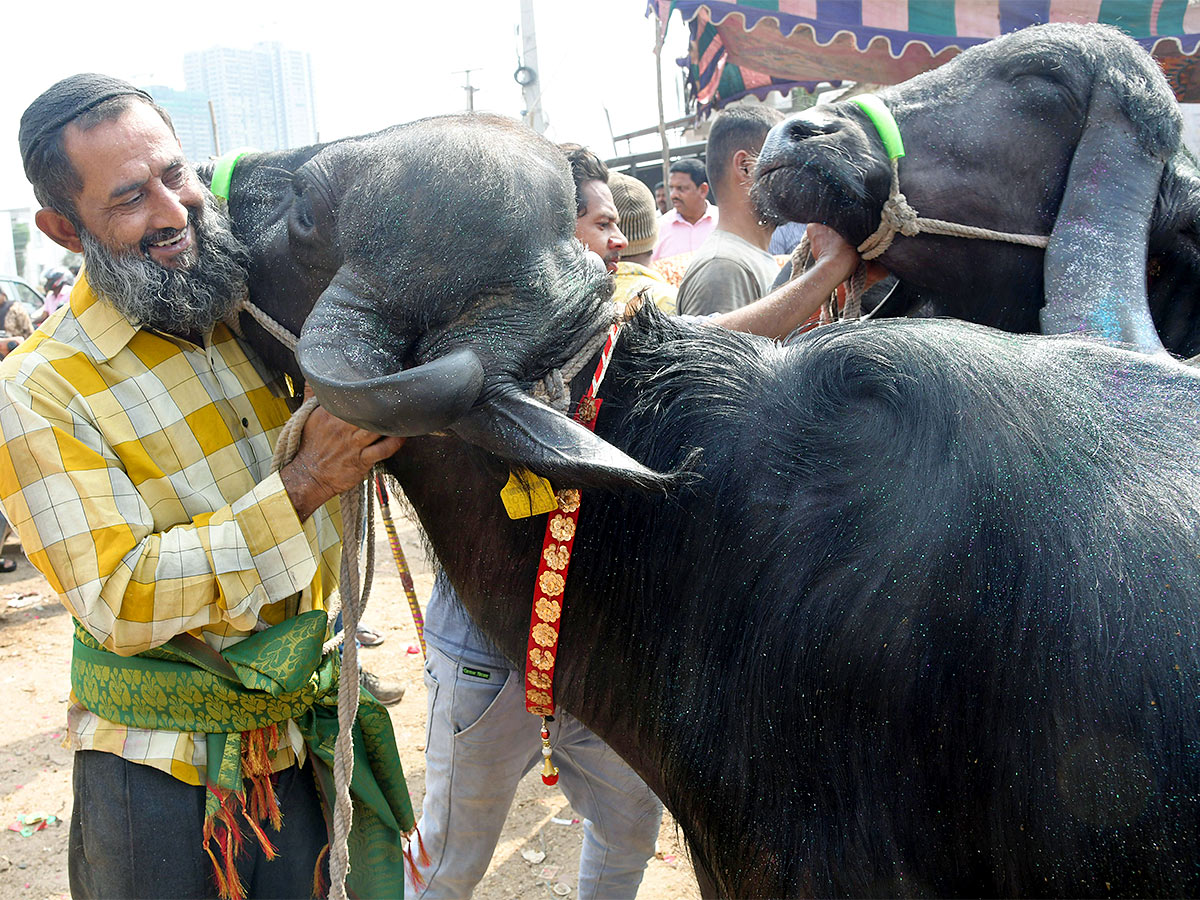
(554, 389)
(899, 216)
(272, 327)
(352, 603)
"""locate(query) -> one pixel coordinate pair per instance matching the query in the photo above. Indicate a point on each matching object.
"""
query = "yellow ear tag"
(527, 495)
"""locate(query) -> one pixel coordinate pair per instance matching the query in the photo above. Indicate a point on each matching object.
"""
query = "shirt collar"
(625, 267)
(108, 330)
(676, 216)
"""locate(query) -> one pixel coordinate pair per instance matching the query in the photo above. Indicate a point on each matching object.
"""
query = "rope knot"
(552, 391)
(899, 216)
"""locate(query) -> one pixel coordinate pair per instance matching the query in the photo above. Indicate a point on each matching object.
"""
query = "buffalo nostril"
(800, 130)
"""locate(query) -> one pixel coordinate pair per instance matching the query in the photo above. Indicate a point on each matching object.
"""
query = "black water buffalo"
(1062, 130)
(906, 608)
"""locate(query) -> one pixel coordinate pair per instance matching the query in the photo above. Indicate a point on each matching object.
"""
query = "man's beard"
(186, 300)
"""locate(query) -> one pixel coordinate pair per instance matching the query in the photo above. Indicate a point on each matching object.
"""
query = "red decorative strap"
(548, 590)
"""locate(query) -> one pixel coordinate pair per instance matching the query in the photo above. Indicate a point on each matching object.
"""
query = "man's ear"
(704, 190)
(59, 229)
(743, 164)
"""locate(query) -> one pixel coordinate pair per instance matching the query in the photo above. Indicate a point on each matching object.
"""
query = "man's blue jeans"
(480, 743)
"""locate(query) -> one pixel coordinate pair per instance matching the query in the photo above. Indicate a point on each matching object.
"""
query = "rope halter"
(898, 216)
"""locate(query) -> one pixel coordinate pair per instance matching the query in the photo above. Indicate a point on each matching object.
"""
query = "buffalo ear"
(523, 431)
(1095, 269)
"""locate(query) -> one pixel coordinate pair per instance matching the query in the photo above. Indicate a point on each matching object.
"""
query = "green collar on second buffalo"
(881, 118)
(223, 172)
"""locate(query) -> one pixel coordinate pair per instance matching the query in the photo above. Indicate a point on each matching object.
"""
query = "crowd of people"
(137, 432)
(692, 256)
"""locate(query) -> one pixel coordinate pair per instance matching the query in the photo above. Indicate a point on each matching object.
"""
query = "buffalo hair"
(940, 592)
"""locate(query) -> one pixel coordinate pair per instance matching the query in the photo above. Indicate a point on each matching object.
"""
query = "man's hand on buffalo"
(788, 307)
(333, 457)
(831, 250)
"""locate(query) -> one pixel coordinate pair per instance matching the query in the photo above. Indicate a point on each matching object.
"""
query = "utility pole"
(212, 121)
(468, 87)
(527, 73)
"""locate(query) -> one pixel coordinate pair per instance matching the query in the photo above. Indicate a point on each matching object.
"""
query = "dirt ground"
(35, 769)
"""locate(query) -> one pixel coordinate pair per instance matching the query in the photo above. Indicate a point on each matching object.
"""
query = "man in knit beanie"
(639, 222)
(137, 432)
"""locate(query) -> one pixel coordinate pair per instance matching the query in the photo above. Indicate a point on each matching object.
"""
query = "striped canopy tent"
(740, 47)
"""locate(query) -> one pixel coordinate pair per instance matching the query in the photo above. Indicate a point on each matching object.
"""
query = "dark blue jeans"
(137, 832)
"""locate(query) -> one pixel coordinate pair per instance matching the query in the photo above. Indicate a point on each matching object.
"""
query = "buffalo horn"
(524, 432)
(341, 339)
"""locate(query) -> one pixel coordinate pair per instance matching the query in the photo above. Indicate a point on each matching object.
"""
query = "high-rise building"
(189, 114)
(262, 98)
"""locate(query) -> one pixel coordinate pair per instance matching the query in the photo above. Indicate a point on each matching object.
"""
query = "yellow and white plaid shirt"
(135, 467)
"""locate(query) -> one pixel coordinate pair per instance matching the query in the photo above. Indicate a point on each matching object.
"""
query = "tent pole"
(660, 32)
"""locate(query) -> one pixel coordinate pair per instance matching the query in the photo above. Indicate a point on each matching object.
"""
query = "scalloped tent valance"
(756, 46)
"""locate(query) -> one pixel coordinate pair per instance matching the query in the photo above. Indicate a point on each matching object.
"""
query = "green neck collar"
(223, 172)
(881, 118)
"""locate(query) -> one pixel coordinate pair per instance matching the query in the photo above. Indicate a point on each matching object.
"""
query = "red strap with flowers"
(551, 582)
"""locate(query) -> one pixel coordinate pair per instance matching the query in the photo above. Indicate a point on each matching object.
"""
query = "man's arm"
(333, 457)
(786, 308)
(87, 528)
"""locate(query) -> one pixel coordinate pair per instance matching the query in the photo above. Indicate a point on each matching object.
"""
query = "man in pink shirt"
(685, 227)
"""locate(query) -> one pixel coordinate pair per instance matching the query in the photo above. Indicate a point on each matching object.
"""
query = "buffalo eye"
(311, 222)
(300, 218)
(302, 209)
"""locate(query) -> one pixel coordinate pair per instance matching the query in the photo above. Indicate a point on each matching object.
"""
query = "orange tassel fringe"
(410, 864)
(424, 855)
(222, 829)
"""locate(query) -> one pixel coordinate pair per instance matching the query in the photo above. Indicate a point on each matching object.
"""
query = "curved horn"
(341, 350)
(521, 430)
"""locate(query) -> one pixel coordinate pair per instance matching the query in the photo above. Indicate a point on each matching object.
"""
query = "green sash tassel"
(270, 677)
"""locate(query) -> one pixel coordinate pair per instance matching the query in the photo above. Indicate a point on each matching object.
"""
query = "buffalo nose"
(784, 136)
(801, 129)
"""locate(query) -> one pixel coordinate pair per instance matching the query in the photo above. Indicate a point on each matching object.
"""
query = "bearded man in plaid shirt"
(137, 438)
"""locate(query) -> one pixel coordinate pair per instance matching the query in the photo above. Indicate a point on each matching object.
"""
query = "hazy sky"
(371, 68)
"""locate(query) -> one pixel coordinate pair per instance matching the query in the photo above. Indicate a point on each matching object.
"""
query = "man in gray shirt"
(732, 267)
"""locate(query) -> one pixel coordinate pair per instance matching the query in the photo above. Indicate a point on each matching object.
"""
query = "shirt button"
(245, 422)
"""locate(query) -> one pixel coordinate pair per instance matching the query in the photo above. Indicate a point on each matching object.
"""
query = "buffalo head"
(1058, 130)
(437, 277)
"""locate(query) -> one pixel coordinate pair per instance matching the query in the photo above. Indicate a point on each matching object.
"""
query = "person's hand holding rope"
(831, 253)
(333, 456)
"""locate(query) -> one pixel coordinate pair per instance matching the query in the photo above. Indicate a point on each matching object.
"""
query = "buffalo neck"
(654, 603)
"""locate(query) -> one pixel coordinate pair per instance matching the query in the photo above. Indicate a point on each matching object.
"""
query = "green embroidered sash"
(270, 677)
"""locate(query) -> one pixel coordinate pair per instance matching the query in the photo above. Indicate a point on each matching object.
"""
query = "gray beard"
(187, 300)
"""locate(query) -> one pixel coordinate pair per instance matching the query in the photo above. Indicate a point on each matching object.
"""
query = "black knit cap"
(62, 102)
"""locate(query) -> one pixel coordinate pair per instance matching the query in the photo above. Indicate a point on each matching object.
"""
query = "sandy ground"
(35, 770)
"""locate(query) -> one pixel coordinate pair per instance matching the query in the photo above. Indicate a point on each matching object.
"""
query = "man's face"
(660, 199)
(598, 228)
(153, 239)
(688, 199)
(138, 189)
